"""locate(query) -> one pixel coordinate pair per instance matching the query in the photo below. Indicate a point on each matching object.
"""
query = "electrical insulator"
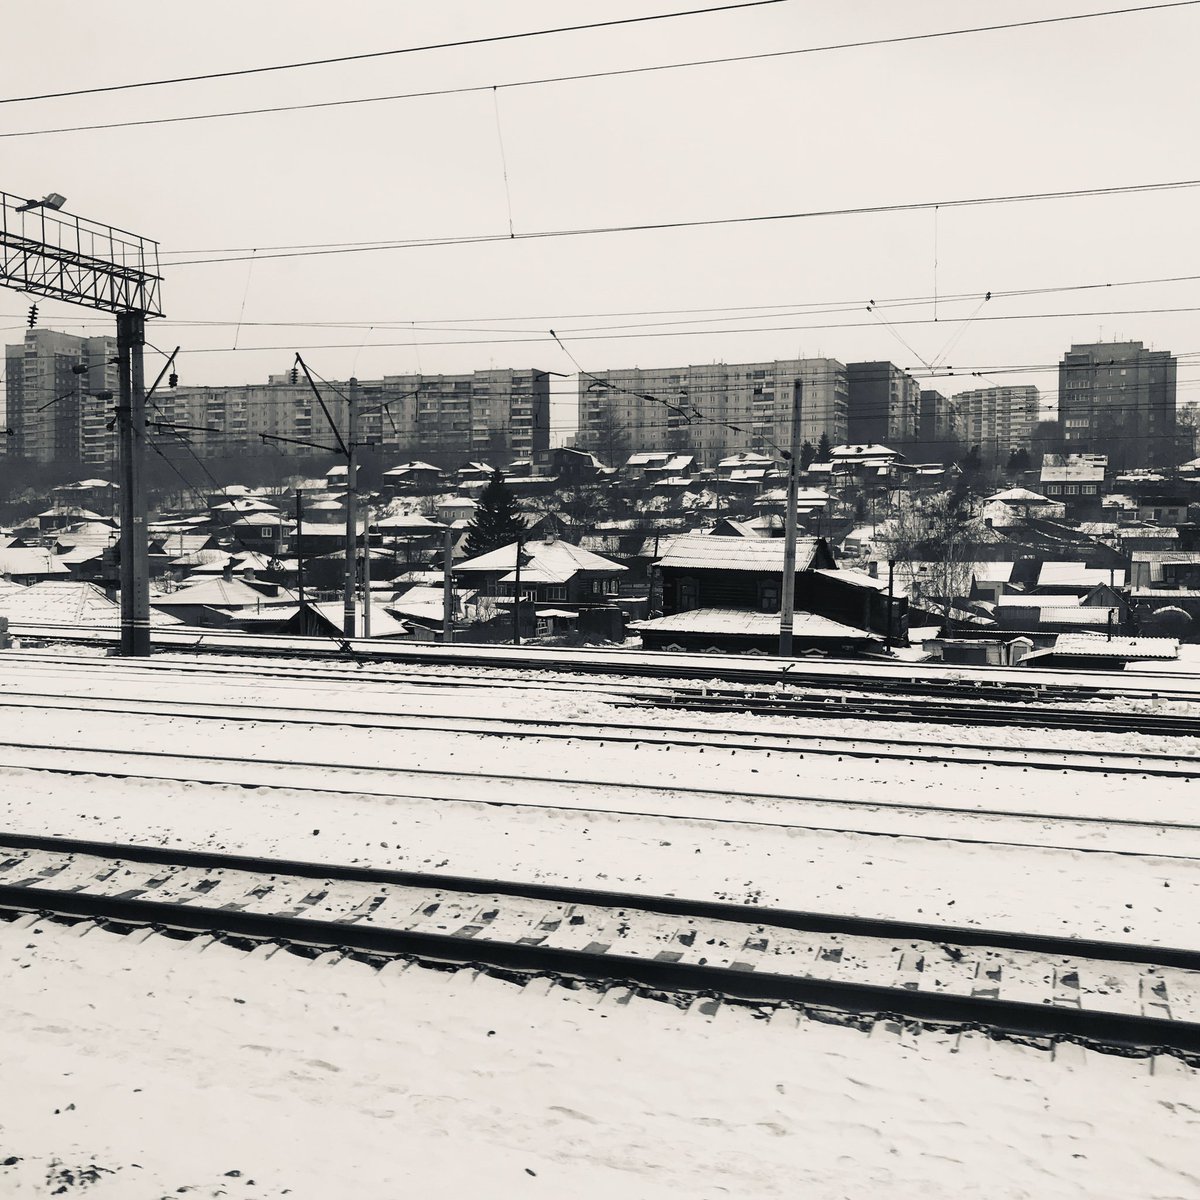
(172, 380)
(295, 376)
(32, 315)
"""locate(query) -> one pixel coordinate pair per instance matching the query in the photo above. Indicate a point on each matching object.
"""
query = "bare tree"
(933, 536)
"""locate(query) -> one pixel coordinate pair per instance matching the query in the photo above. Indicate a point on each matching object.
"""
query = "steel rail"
(912, 678)
(241, 711)
(1023, 1017)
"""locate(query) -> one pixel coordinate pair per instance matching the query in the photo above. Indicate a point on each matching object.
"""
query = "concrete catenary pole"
(788, 594)
(366, 580)
(349, 587)
(448, 585)
(134, 552)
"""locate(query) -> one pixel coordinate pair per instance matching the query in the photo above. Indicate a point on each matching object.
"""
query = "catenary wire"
(330, 248)
(457, 44)
(582, 76)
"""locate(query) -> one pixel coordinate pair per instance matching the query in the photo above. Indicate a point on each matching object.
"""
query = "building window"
(689, 594)
(768, 597)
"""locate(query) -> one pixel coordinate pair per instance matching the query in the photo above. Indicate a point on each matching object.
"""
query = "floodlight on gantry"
(47, 252)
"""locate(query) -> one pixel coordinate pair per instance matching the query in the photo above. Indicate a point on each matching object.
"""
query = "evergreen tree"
(824, 448)
(497, 522)
(807, 453)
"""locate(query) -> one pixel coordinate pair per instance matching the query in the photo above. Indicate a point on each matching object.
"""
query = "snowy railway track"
(1147, 764)
(997, 712)
(1106, 994)
(1073, 830)
(570, 664)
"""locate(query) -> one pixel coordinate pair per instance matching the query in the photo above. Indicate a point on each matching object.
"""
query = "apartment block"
(1118, 398)
(56, 412)
(496, 415)
(998, 420)
(885, 404)
(712, 410)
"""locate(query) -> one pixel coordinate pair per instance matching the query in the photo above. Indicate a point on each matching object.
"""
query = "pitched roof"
(383, 623)
(30, 560)
(560, 560)
(1020, 495)
(702, 551)
(66, 602)
(218, 593)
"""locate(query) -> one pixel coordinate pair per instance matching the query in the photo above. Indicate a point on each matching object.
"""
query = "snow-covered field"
(211, 1068)
(154, 1069)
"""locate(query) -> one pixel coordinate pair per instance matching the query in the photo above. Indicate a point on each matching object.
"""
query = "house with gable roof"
(724, 594)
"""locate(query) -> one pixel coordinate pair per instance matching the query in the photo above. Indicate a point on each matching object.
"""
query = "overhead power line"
(721, 313)
(543, 81)
(327, 248)
(370, 54)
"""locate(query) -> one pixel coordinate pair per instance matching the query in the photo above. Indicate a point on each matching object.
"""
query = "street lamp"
(51, 200)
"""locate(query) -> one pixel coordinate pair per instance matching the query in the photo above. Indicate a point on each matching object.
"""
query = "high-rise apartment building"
(937, 425)
(56, 412)
(496, 415)
(711, 410)
(885, 404)
(998, 420)
(1118, 398)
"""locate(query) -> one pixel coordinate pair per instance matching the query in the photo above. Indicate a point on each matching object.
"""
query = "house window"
(556, 591)
(768, 597)
(689, 594)
(266, 531)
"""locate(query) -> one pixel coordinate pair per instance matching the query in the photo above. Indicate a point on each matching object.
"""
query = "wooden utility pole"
(134, 551)
(349, 587)
(517, 598)
(300, 557)
(788, 594)
(448, 585)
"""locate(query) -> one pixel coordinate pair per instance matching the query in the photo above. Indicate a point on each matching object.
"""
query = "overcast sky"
(1096, 103)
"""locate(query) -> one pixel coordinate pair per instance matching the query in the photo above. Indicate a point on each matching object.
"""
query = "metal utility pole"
(349, 588)
(448, 586)
(366, 579)
(788, 594)
(45, 252)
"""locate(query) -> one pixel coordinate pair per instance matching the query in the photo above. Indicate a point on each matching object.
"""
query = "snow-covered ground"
(145, 1069)
(209, 1068)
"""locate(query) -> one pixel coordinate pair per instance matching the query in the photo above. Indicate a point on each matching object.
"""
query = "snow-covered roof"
(705, 552)
(383, 623)
(558, 559)
(1073, 574)
(246, 504)
(30, 560)
(854, 578)
(747, 458)
(1094, 645)
(407, 523)
(862, 453)
(1037, 600)
(218, 593)
(409, 467)
(66, 602)
(747, 622)
(1074, 472)
(1020, 495)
